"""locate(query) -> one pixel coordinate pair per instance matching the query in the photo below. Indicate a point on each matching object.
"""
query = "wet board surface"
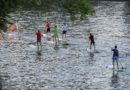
(47, 35)
(31, 48)
(44, 35)
(64, 41)
(60, 39)
(121, 69)
(51, 42)
(93, 50)
(35, 46)
(89, 50)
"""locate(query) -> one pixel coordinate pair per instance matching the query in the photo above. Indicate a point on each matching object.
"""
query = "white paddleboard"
(44, 35)
(90, 50)
(32, 46)
(93, 50)
(51, 42)
(115, 69)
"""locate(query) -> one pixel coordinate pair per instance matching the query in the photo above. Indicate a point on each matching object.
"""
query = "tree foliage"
(72, 7)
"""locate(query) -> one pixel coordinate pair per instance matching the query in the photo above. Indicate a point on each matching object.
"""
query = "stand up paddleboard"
(44, 35)
(63, 41)
(121, 69)
(89, 50)
(93, 50)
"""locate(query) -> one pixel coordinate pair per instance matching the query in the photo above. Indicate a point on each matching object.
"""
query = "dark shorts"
(92, 42)
(115, 58)
(48, 29)
(64, 32)
(38, 41)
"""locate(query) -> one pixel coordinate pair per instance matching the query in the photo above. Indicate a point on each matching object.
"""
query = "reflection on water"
(115, 82)
(56, 47)
(91, 56)
(0, 83)
(91, 60)
(39, 54)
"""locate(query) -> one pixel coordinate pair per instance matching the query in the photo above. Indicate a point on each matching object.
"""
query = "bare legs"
(55, 39)
(115, 61)
(39, 42)
(63, 36)
(91, 43)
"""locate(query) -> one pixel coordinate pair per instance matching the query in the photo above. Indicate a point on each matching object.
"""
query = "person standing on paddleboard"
(55, 32)
(64, 30)
(39, 37)
(91, 40)
(48, 26)
(115, 57)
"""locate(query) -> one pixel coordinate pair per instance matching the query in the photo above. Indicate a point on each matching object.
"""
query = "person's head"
(90, 34)
(47, 21)
(38, 30)
(115, 46)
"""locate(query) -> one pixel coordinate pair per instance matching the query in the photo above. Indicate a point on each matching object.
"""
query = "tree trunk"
(1, 35)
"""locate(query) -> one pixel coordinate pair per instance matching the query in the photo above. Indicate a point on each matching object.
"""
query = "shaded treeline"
(72, 7)
(69, 7)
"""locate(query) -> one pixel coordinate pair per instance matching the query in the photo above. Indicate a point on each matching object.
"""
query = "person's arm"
(61, 27)
(45, 25)
(94, 38)
(118, 53)
(89, 39)
(42, 34)
(112, 49)
(50, 25)
(53, 29)
(67, 28)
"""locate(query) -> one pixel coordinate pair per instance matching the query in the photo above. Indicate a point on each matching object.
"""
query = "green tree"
(72, 7)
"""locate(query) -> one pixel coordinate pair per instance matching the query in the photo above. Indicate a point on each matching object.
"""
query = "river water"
(71, 66)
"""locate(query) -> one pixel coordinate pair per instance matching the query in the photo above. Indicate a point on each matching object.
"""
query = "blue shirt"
(115, 52)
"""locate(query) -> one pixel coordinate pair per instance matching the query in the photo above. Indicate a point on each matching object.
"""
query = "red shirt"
(39, 35)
